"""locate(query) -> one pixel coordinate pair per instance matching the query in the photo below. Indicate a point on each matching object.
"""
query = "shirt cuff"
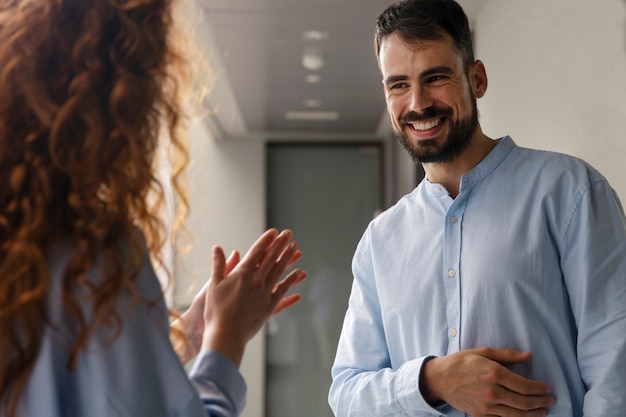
(215, 376)
(407, 396)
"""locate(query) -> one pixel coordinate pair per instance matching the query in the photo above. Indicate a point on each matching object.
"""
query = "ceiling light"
(312, 60)
(313, 78)
(312, 102)
(312, 115)
(315, 35)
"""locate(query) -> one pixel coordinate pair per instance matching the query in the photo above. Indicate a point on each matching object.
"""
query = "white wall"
(227, 200)
(557, 78)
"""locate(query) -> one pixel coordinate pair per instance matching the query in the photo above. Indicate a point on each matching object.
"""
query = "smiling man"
(498, 286)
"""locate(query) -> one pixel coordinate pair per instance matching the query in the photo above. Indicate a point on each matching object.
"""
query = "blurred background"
(296, 136)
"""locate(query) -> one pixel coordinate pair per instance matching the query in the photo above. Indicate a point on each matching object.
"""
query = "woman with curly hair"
(87, 88)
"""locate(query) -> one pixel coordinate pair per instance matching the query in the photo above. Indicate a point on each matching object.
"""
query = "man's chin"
(421, 151)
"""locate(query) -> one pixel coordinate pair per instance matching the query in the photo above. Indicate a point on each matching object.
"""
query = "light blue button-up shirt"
(531, 255)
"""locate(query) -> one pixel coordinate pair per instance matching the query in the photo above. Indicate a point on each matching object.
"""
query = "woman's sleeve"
(219, 384)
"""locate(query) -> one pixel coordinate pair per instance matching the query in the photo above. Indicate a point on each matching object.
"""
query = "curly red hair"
(86, 88)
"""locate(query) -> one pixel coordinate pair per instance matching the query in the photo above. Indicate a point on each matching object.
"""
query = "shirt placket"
(452, 271)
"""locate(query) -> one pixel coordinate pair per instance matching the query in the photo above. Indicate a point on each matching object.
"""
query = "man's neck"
(448, 174)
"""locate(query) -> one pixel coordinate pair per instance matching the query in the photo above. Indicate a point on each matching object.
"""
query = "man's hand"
(476, 382)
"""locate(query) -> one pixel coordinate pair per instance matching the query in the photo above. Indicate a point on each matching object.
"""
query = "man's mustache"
(429, 113)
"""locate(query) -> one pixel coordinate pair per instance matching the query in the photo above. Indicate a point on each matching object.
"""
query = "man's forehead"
(416, 44)
(401, 60)
(394, 46)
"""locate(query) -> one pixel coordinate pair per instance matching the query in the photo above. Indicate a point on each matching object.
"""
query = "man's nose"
(420, 99)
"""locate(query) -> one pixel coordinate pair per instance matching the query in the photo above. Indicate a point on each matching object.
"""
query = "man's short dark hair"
(427, 20)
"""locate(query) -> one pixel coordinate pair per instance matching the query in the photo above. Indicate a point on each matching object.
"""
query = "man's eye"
(398, 86)
(436, 78)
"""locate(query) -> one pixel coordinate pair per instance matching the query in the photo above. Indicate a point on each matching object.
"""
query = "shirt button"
(452, 273)
(453, 219)
(453, 332)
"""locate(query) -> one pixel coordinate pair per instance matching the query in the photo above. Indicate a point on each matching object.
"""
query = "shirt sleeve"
(364, 383)
(219, 384)
(594, 269)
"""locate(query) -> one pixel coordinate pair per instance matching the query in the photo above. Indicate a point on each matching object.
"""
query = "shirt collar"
(485, 167)
(489, 163)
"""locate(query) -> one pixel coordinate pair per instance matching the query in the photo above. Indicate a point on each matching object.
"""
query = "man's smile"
(425, 125)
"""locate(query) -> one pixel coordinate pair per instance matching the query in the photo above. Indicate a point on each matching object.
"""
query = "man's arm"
(364, 383)
(594, 270)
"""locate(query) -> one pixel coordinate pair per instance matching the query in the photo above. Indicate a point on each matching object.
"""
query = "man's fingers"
(525, 387)
(521, 402)
(512, 381)
(503, 356)
(503, 410)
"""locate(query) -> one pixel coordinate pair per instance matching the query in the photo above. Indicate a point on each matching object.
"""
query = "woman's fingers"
(231, 262)
(284, 261)
(273, 253)
(219, 264)
(286, 303)
(282, 256)
(259, 248)
(264, 264)
(295, 258)
(268, 259)
(280, 290)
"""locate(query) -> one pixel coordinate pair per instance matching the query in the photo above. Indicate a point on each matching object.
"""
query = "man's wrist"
(425, 383)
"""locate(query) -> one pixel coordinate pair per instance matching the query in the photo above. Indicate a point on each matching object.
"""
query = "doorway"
(326, 194)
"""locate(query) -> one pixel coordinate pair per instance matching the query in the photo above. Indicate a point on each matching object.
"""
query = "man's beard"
(457, 140)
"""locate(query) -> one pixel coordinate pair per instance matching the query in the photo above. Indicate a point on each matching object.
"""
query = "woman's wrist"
(181, 342)
(226, 343)
(186, 334)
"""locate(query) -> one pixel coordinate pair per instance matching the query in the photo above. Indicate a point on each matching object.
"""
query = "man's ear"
(478, 78)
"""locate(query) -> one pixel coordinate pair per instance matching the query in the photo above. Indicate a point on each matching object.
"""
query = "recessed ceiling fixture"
(312, 103)
(312, 115)
(313, 78)
(312, 60)
(315, 35)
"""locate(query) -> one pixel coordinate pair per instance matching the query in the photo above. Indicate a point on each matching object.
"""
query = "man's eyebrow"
(394, 78)
(437, 70)
(431, 71)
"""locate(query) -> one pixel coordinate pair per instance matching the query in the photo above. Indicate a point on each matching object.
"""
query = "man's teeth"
(426, 125)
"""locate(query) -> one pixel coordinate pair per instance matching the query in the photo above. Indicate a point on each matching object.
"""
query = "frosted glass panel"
(326, 194)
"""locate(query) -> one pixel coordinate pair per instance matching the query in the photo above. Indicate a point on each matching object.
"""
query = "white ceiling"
(256, 49)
